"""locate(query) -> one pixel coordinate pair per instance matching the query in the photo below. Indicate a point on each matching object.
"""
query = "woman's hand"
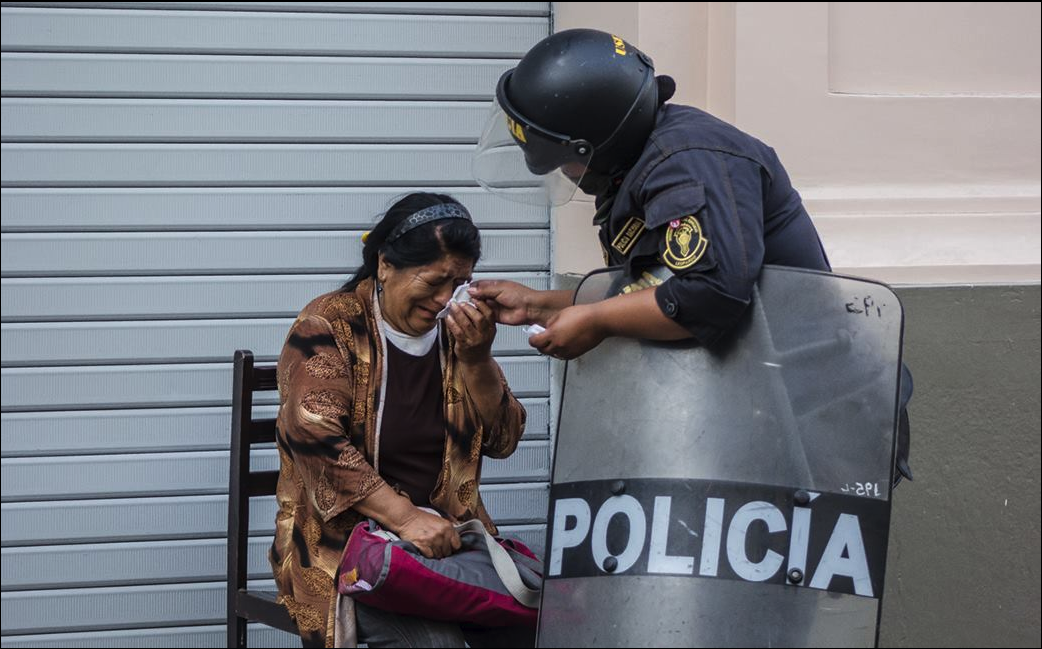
(433, 536)
(474, 328)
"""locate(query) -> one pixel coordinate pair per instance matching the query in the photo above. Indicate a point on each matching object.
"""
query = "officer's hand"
(569, 334)
(473, 328)
(509, 300)
(433, 536)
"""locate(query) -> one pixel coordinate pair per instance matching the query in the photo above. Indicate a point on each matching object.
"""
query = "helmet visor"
(524, 163)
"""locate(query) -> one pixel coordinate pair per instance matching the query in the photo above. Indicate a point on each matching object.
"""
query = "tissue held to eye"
(459, 296)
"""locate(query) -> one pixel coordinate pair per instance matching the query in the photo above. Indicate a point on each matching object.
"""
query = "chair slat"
(260, 606)
(262, 431)
(263, 483)
(265, 378)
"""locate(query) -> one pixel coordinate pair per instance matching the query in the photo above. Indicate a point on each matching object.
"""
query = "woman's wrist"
(484, 387)
(476, 360)
(387, 507)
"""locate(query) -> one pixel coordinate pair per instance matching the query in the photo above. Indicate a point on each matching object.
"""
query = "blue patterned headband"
(426, 215)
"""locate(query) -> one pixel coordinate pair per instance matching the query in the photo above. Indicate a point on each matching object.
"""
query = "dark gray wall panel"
(122, 298)
(255, 77)
(235, 164)
(85, 30)
(964, 568)
(184, 517)
(153, 430)
(236, 208)
(238, 253)
(212, 120)
(204, 384)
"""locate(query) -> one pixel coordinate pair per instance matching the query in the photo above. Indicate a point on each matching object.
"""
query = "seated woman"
(384, 410)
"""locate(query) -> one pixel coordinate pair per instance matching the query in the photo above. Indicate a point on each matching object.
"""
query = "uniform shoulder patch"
(685, 243)
(628, 236)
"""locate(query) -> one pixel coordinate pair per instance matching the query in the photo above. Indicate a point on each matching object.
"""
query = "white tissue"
(533, 329)
(459, 296)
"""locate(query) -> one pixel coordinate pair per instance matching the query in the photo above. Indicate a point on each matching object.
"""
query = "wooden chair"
(243, 604)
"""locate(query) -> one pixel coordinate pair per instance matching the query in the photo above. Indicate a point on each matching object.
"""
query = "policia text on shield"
(693, 209)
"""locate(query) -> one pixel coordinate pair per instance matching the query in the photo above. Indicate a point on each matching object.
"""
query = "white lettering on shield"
(844, 554)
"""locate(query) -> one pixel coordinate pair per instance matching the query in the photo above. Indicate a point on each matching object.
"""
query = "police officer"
(674, 186)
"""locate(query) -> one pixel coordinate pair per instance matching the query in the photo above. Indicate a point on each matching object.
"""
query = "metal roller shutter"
(178, 180)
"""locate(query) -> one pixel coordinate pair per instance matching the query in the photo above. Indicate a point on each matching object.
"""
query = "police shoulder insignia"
(628, 236)
(685, 243)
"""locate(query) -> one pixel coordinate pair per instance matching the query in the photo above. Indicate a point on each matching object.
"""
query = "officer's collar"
(604, 204)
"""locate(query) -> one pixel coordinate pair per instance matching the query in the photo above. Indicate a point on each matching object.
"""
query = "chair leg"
(237, 633)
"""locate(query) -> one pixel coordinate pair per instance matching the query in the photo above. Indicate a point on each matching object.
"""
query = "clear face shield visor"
(525, 163)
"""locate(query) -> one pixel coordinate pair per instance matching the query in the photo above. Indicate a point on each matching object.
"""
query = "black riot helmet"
(580, 102)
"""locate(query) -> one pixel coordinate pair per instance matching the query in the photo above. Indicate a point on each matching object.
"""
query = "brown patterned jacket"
(329, 374)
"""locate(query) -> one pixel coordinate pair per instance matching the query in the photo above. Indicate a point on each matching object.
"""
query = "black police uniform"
(714, 205)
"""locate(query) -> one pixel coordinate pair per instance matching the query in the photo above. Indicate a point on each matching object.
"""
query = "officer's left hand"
(569, 334)
(474, 328)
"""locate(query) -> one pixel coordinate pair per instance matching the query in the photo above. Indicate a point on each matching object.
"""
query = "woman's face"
(412, 297)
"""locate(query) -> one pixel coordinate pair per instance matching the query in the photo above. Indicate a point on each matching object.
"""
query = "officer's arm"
(516, 304)
(547, 304)
(637, 315)
(577, 329)
(705, 211)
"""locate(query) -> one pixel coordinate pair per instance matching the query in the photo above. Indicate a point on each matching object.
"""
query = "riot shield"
(733, 497)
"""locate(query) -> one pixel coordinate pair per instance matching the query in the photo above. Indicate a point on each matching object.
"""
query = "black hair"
(421, 245)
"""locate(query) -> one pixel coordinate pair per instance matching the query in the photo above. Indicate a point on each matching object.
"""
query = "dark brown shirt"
(412, 435)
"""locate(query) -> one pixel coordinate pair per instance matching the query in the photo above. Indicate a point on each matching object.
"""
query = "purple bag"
(489, 581)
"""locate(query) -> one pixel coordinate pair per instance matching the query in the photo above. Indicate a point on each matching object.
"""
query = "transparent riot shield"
(733, 497)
